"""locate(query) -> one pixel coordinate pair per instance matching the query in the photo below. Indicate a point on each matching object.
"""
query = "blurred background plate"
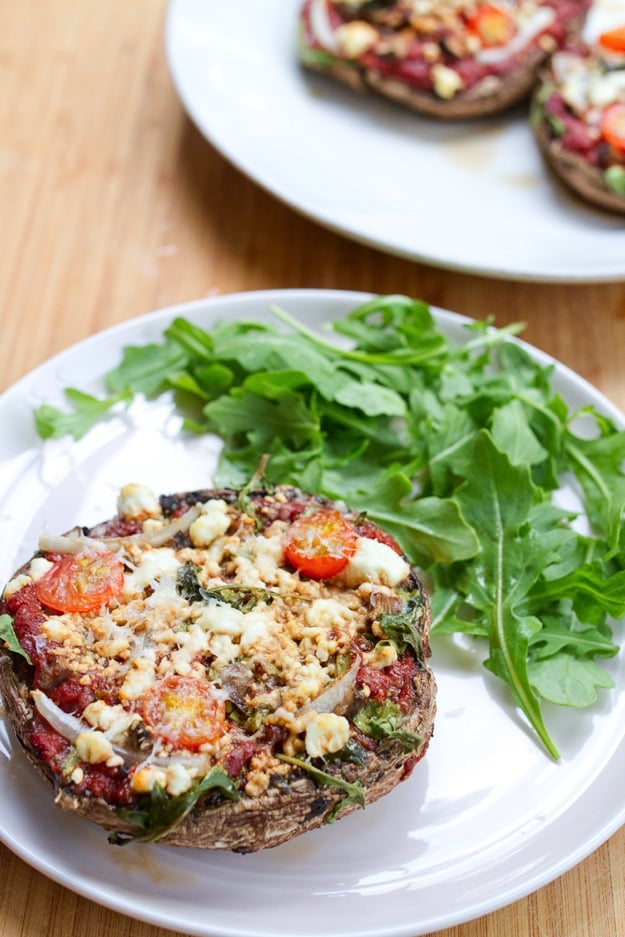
(471, 196)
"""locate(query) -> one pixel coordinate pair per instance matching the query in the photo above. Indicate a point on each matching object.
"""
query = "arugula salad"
(460, 451)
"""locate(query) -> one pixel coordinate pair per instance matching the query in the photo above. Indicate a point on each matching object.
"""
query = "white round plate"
(486, 817)
(471, 196)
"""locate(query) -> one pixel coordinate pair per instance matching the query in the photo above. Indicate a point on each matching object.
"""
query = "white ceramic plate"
(468, 196)
(485, 819)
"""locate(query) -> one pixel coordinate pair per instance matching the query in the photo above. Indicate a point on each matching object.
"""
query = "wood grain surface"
(112, 205)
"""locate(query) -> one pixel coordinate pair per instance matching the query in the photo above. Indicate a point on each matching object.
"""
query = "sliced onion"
(321, 26)
(69, 543)
(337, 697)
(75, 542)
(64, 723)
(156, 538)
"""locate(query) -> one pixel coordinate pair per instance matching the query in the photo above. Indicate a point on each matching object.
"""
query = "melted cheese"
(212, 523)
(16, 584)
(94, 748)
(39, 566)
(375, 562)
(326, 733)
(156, 565)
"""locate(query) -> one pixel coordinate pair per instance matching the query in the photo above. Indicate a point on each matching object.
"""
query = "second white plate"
(468, 196)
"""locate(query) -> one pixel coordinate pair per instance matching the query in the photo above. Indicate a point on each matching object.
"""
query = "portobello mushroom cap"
(294, 801)
(573, 167)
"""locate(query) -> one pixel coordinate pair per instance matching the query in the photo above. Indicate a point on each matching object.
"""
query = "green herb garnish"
(158, 813)
(353, 791)
(9, 638)
(243, 598)
(52, 423)
(383, 721)
(401, 627)
(188, 583)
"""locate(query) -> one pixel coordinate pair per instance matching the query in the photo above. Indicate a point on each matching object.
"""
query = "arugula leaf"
(598, 466)
(497, 500)
(433, 526)
(574, 637)
(243, 598)
(159, 813)
(52, 423)
(513, 434)
(402, 629)
(188, 583)
(260, 420)
(594, 594)
(568, 681)
(353, 791)
(383, 721)
(9, 638)
(146, 369)
(191, 339)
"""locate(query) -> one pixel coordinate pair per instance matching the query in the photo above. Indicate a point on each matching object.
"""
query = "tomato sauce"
(395, 682)
(239, 757)
(28, 614)
(121, 527)
(50, 747)
(111, 784)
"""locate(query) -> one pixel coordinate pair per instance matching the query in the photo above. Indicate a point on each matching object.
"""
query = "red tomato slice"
(185, 712)
(613, 125)
(494, 26)
(614, 39)
(320, 545)
(81, 583)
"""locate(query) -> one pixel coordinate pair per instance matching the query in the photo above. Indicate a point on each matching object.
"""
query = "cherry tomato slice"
(320, 545)
(184, 711)
(613, 125)
(614, 39)
(494, 26)
(81, 583)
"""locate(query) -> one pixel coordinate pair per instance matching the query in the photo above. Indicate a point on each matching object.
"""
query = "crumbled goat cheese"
(326, 733)
(137, 501)
(375, 562)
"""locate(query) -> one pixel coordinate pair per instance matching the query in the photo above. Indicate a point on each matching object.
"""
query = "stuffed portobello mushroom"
(578, 117)
(452, 59)
(222, 669)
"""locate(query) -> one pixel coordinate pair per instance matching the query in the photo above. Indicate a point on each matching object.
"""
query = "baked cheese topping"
(213, 638)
